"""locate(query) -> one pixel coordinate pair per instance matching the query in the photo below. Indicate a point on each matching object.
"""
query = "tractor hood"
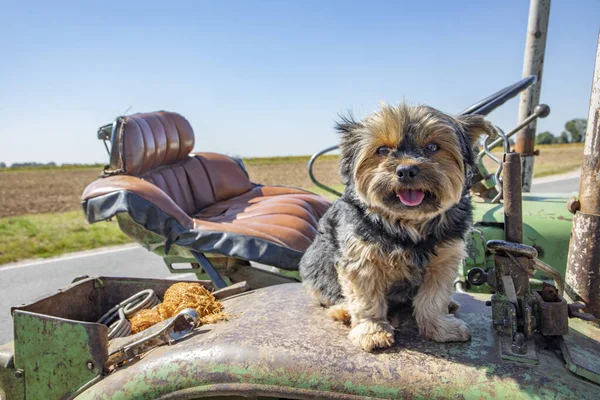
(280, 345)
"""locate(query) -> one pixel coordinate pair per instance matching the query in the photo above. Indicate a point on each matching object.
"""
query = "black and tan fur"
(373, 253)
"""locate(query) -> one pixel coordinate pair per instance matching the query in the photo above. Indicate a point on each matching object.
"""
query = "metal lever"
(540, 111)
(180, 326)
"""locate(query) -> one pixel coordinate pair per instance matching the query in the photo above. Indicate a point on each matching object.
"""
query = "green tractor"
(529, 288)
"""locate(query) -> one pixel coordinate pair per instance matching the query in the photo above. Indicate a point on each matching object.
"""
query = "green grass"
(48, 235)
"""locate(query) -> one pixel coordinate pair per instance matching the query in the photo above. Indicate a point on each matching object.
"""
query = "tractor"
(529, 288)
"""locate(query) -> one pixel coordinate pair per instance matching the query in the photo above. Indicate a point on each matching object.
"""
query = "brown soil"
(49, 191)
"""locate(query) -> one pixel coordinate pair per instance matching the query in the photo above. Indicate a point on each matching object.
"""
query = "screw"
(90, 365)
(19, 373)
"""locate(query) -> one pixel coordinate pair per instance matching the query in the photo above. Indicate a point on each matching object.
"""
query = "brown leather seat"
(204, 201)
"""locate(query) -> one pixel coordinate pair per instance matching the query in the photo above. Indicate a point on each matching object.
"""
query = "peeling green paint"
(54, 354)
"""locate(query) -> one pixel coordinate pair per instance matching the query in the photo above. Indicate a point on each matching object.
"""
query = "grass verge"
(553, 159)
(47, 235)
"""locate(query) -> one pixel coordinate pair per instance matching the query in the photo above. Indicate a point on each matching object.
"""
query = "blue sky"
(268, 77)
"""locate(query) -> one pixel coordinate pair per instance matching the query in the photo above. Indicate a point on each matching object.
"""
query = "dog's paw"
(447, 328)
(370, 336)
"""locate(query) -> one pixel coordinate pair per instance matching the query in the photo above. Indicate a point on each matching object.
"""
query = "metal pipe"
(589, 192)
(312, 175)
(513, 213)
(541, 111)
(535, 47)
(583, 268)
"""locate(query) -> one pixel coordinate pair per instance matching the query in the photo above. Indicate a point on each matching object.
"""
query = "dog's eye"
(432, 147)
(383, 151)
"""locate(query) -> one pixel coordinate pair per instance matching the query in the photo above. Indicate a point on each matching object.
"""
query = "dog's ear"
(349, 130)
(475, 126)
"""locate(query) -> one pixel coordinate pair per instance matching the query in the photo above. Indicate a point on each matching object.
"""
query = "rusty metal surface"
(279, 344)
(553, 315)
(589, 193)
(581, 348)
(583, 268)
(533, 64)
(513, 210)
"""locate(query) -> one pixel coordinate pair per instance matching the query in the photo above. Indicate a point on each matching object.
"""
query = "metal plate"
(581, 348)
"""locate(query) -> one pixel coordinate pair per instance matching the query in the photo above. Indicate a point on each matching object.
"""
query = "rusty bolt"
(19, 373)
(573, 205)
(90, 365)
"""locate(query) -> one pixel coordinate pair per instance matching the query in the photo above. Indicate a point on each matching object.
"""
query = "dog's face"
(409, 162)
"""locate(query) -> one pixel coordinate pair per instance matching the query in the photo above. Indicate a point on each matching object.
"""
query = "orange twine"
(179, 296)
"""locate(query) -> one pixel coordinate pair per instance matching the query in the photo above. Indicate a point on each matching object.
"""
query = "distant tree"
(563, 138)
(576, 128)
(545, 138)
(2, 165)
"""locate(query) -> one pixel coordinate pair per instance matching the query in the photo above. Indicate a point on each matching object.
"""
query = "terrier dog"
(397, 235)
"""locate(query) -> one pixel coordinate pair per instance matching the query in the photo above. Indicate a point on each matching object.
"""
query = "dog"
(397, 234)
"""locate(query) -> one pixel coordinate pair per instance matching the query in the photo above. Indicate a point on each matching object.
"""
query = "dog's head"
(409, 163)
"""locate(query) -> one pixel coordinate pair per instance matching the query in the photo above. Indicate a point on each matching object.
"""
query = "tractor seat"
(201, 201)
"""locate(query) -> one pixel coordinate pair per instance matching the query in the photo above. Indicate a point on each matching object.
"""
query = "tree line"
(574, 133)
(51, 164)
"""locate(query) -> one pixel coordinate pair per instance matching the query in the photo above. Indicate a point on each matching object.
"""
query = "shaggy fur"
(373, 252)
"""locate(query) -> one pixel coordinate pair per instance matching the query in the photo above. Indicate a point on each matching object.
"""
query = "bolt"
(19, 373)
(518, 345)
(90, 365)
(573, 205)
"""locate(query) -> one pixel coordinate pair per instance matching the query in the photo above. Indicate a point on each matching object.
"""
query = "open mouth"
(410, 197)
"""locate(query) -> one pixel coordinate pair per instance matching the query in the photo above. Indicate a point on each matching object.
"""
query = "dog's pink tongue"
(410, 197)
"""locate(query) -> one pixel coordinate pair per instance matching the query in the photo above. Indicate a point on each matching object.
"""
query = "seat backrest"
(157, 148)
(143, 142)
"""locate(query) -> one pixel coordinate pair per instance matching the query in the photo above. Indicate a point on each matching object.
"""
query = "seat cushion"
(285, 216)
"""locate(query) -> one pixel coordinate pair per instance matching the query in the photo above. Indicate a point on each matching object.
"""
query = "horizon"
(268, 79)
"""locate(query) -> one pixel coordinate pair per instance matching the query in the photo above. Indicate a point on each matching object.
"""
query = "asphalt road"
(25, 282)
(567, 185)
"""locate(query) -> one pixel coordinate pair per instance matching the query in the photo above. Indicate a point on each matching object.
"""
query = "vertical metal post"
(535, 47)
(583, 268)
(513, 211)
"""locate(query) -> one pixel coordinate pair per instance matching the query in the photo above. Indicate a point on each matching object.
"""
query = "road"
(24, 282)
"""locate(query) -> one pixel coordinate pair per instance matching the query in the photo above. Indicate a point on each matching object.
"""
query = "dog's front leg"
(365, 295)
(431, 302)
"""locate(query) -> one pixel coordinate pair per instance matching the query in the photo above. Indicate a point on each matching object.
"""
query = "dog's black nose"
(407, 173)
